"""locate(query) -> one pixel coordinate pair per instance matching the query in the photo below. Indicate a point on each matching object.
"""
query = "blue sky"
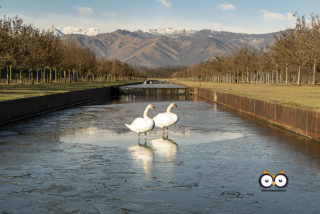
(246, 16)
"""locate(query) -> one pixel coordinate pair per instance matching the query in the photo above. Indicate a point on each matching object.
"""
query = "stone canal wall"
(302, 121)
(13, 110)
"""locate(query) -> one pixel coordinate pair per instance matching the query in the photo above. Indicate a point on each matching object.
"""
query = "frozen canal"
(84, 160)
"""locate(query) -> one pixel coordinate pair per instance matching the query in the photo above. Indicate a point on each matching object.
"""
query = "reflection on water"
(165, 147)
(142, 156)
(154, 85)
(84, 160)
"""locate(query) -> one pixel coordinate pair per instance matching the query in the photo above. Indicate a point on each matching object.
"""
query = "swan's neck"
(145, 114)
(169, 108)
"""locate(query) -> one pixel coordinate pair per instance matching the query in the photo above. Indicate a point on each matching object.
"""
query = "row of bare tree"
(161, 72)
(293, 58)
(28, 54)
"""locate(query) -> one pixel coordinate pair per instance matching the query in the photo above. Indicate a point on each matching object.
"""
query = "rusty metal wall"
(302, 121)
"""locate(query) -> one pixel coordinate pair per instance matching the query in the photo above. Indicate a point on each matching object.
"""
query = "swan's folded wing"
(174, 118)
(141, 125)
(162, 120)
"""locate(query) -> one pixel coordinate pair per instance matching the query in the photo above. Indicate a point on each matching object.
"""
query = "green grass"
(307, 97)
(11, 92)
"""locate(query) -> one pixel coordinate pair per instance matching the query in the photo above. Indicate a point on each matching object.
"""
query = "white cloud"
(277, 21)
(269, 16)
(165, 3)
(84, 10)
(227, 6)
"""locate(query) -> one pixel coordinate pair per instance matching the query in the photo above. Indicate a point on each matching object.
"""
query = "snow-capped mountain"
(172, 32)
(168, 46)
(75, 30)
(57, 31)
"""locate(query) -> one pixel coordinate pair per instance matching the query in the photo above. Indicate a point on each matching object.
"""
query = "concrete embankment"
(155, 90)
(13, 110)
(302, 121)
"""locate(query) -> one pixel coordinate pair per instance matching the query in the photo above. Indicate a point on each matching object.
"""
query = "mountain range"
(166, 46)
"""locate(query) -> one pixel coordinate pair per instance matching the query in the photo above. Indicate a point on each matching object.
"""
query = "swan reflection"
(165, 148)
(142, 154)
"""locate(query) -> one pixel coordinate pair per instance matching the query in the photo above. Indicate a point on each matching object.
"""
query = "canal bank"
(301, 121)
(18, 109)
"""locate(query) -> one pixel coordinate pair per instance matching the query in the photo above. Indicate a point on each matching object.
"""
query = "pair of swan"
(146, 124)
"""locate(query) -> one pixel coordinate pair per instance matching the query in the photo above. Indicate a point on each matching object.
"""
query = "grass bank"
(307, 97)
(11, 92)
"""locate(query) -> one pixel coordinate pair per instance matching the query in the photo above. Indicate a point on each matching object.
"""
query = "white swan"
(142, 125)
(166, 119)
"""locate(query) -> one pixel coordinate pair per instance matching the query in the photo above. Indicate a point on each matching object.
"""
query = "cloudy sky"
(246, 16)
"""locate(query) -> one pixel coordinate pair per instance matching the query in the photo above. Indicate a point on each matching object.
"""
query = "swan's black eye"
(265, 181)
(281, 180)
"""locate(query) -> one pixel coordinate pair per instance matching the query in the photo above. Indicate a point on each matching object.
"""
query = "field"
(11, 92)
(300, 96)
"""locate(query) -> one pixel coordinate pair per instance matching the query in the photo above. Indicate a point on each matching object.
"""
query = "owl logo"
(279, 180)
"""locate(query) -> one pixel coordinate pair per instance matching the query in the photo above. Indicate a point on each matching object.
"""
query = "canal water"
(84, 160)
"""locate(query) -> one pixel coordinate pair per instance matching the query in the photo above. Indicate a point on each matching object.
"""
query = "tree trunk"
(8, 81)
(37, 75)
(20, 77)
(314, 74)
(55, 75)
(286, 75)
(32, 77)
(299, 75)
(10, 74)
(242, 77)
(247, 74)
(50, 75)
(29, 75)
(267, 78)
